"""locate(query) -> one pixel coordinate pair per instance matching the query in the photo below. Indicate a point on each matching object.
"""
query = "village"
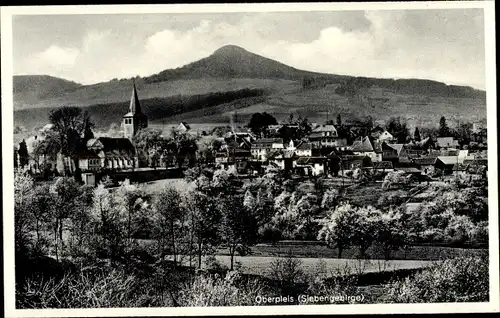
(344, 151)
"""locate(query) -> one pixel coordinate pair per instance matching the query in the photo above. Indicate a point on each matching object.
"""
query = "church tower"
(134, 120)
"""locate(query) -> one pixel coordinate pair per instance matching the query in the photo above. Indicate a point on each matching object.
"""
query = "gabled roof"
(87, 154)
(304, 146)
(397, 147)
(363, 145)
(322, 128)
(266, 142)
(135, 105)
(448, 160)
(309, 160)
(186, 125)
(114, 146)
(408, 169)
(382, 165)
(425, 161)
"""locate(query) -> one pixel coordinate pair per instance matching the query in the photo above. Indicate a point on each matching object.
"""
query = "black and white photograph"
(251, 158)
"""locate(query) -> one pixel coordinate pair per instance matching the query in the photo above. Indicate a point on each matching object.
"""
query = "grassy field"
(256, 265)
(157, 186)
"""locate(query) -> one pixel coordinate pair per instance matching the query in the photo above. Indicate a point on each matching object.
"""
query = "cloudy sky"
(445, 45)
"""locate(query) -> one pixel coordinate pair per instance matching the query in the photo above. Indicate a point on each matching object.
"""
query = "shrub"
(288, 273)
(82, 290)
(463, 279)
(216, 290)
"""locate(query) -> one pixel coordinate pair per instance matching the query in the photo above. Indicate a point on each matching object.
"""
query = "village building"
(108, 153)
(262, 147)
(183, 127)
(116, 153)
(327, 136)
(385, 136)
(367, 147)
(307, 149)
(394, 152)
(383, 166)
(447, 142)
(311, 166)
(134, 120)
(426, 165)
(446, 164)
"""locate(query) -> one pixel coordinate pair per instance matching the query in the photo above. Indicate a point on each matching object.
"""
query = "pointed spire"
(135, 106)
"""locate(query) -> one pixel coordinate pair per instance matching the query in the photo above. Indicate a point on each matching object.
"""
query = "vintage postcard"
(316, 158)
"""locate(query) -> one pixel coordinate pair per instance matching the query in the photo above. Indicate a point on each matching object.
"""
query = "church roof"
(114, 146)
(135, 105)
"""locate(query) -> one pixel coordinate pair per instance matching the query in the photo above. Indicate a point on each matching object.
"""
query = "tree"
(185, 147)
(238, 226)
(337, 229)
(398, 127)
(149, 143)
(259, 123)
(74, 128)
(43, 203)
(444, 131)
(339, 120)
(23, 198)
(108, 225)
(131, 201)
(67, 192)
(202, 222)
(169, 213)
(364, 233)
(23, 154)
(390, 232)
(416, 135)
(49, 147)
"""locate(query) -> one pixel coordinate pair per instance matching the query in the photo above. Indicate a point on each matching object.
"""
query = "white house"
(385, 136)
(366, 147)
(262, 147)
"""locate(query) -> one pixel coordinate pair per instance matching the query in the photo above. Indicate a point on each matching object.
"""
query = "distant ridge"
(232, 61)
(226, 64)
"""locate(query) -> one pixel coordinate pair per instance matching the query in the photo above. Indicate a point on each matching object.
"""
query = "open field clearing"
(256, 265)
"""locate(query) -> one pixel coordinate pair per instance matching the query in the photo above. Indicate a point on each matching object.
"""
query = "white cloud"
(397, 44)
(57, 56)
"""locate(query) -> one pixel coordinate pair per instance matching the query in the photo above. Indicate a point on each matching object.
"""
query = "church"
(116, 153)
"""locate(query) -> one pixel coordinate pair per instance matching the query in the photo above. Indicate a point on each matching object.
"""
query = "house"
(114, 153)
(89, 161)
(393, 152)
(460, 169)
(314, 166)
(367, 147)
(283, 159)
(446, 163)
(262, 147)
(183, 127)
(230, 155)
(327, 135)
(425, 164)
(377, 132)
(385, 136)
(135, 119)
(307, 149)
(447, 142)
(384, 166)
(409, 170)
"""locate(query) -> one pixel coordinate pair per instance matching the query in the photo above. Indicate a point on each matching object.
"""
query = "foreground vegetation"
(70, 238)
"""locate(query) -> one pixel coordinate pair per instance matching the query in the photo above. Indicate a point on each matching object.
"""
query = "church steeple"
(134, 120)
(135, 105)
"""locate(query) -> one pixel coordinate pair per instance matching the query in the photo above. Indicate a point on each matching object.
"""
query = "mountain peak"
(229, 50)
